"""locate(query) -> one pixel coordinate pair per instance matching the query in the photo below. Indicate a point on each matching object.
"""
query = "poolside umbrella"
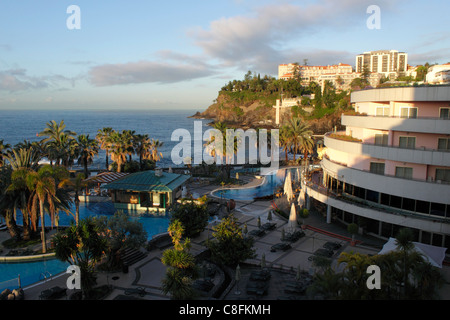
(292, 223)
(297, 175)
(298, 276)
(237, 278)
(301, 198)
(288, 187)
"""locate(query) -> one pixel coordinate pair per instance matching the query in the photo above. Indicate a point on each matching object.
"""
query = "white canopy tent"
(433, 254)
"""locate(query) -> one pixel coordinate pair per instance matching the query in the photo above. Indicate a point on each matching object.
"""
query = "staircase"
(130, 256)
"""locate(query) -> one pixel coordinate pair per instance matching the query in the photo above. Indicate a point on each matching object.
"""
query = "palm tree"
(119, 148)
(7, 203)
(102, 137)
(43, 188)
(181, 265)
(405, 246)
(4, 148)
(300, 137)
(129, 137)
(155, 154)
(19, 195)
(87, 150)
(143, 147)
(59, 137)
(285, 140)
(78, 184)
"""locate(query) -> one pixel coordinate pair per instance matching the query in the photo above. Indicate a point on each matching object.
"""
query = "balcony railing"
(420, 155)
(396, 123)
(316, 185)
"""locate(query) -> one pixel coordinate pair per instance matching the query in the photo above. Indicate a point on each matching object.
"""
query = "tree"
(81, 245)
(59, 139)
(121, 232)
(78, 184)
(119, 148)
(7, 203)
(143, 148)
(405, 246)
(181, 265)
(103, 138)
(193, 217)
(87, 149)
(43, 188)
(229, 246)
(300, 137)
(4, 148)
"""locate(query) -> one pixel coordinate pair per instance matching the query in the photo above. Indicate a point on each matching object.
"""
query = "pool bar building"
(150, 191)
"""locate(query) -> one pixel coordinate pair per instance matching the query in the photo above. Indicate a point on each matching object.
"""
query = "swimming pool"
(271, 182)
(32, 272)
(154, 224)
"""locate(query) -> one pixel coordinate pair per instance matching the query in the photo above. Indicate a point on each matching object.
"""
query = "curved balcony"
(378, 212)
(421, 156)
(407, 188)
(421, 125)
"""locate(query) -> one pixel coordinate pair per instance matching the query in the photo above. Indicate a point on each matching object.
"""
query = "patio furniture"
(283, 246)
(268, 226)
(260, 275)
(139, 290)
(53, 293)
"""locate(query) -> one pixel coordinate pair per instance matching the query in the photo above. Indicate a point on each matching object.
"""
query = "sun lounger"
(140, 291)
(53, 293)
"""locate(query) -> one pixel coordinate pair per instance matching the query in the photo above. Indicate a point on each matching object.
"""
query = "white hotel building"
(390, 168)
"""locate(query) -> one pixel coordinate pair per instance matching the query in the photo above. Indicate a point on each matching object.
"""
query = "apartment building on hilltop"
(389, 63)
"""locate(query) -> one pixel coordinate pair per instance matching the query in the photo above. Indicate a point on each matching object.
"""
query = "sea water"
(19, 125)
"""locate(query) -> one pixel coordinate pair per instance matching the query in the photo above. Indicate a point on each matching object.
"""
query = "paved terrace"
(149, 272)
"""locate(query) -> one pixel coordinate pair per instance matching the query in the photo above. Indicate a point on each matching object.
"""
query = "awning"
(106, 177)
(433, 254)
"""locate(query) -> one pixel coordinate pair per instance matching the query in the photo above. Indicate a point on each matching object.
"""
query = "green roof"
(147, 181)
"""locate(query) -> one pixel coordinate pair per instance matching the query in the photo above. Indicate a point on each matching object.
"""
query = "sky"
(174, 54)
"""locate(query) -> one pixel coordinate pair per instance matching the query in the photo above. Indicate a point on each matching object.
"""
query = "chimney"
(158, 172)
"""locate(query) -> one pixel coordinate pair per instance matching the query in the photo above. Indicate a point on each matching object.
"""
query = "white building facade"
(390, 168)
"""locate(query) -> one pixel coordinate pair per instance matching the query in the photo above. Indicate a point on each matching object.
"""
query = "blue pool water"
(152, 223)
(31, 272)
(271, 182)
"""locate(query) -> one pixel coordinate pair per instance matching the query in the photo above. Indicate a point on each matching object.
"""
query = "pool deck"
(149, 272)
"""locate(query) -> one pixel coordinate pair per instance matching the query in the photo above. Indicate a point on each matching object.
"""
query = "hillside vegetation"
(248, 103)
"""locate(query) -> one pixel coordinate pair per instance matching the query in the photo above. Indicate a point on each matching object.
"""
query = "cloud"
(259, 40)
(5, 47)
(146, 72)
(17, 79)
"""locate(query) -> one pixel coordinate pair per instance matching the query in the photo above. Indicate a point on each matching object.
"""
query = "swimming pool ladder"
(44, 275)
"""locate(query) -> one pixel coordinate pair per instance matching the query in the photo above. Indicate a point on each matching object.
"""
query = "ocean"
(19, 125)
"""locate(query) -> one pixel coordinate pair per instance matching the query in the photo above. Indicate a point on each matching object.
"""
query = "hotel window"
(377, 167)
(381, 139)
(444, 144)
(403, 172)
(382, 111)
(407, 142)
(444, 113)
(443, 175)
(408, 112)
